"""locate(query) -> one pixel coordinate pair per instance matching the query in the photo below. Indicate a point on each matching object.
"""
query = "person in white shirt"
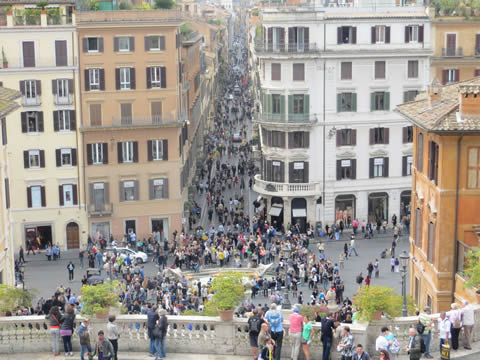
(468, 318)
(444, 326)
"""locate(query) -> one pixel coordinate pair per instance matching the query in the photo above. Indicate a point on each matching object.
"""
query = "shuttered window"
(412, 69)
(95, 114)
(431, 242)
(276, 72)
(380, 70)
(28, 48)
(346, 71)
(418, 227)
(298, 172)
(298, 72)
(299, 140)
(158, 189)
(433, 155)
(420, 152)
(346, 169)
(346, 137)
(129, 190)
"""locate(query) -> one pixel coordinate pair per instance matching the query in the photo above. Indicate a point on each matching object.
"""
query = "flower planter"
(377, 315)
(102, 315)
(225, 315)
(9, 12)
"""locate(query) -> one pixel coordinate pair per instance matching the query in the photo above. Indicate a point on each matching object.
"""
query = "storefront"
(405, 200)
(38, 235)
(345, 209)
(299, 214)
(276, 212)
(377, 207)
(101, 229)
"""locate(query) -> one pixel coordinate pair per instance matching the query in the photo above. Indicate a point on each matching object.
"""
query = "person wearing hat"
(103, 348)
(425, 318)
(296, 323)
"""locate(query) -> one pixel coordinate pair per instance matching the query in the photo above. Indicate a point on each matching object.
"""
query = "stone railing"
(195, 334)
(285, 189)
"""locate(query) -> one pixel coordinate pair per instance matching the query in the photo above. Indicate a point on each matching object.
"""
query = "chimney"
(469, 99)
(434, 92)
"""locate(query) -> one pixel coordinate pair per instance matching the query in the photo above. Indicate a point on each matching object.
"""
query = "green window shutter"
(405, 96)
(290, 104)
(339, 102)
(387, 101)
(372, 101)
(306, 104)
(269, 103)
(282, 106)
(354, 102)
(262, 98)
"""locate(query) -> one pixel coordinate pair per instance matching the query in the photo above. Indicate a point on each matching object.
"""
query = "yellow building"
(7, 273)
(456, 41)
(445, 190)
(40, 60)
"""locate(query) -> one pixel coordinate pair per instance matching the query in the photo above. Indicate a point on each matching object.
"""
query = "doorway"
(101, 229)
(405, 200)
(130, 227)
(73, 236)
(378, 207)
(276, 213)
(299, 214)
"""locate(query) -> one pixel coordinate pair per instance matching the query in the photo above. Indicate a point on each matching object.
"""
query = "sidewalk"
(125, 356)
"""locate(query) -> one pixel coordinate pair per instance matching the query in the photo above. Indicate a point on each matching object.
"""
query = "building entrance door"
(73, 236)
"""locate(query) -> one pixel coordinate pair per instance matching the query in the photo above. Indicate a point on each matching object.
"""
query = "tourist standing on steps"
(425, 319)
(444, 326)
(468, 317)
(254, 326)
(160, 334)
(54, 321)
(307, 335)
(103, 348)
(296, 322)
(152, 318)
(66, 329)
(83, 333)
(113, 333)
(275, 319)
(70, 268)
(414, 346)
(327, 335)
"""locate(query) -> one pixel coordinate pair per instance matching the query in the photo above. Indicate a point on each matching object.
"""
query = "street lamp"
(286, 301)
(22, 271)
(404, 260)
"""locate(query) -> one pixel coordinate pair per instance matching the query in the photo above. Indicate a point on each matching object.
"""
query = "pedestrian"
(394, 245)
(103, 348)
(84, 335)
(425, 326)
(99, 257)
(66, 329)
(263, 336)
(376, 267)
(81, 256)
(444, 327)
(307, 335)
(345, 250)
(254, 326)
(296, 322)
(392, 264)
(468, 317)
(275, 320)
(455, 317)
(70, 268)
(327, 330)
(387, 342)
(414, 348)
(53, 318)
(397, 265)
(384, 355)
(352, 246)
(367, 280)
(113, 333)
(347, 344)
(267, 352)
(21, 257)
(160, 333)
(370, 269)
(359, 280)
(152, 318)
(360, 354)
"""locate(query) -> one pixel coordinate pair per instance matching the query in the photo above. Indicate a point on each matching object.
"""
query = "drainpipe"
(324, 120)
(455, 248)
(78, 117)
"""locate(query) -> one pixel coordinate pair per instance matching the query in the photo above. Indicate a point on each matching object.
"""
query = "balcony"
(286, 118)
(31, 101)
(287, 48)
(286, 189)
(136, 122)
(64, 100)
(100, 209)
(452, 52)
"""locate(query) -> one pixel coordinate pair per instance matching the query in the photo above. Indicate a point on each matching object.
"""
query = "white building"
(332, 147)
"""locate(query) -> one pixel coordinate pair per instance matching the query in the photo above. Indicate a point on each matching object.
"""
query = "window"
(124, 43)
(277, 72)
(32, 121)
(98, 153)
(33, 159)
(379, 135)
(31, 91)
(407, 136)
(129, 190)
(66, 157)
(346, 35)
(156, 108)
(126, 113)
(94, 79)
(278, 139)
(298, 72)
(61, 57)
(412, 69)
(378, 167)
(409, 95)
(274, 170)
(298, 172)
(298, 39)
(299, 140)
(158, 189)
(451, 42)
(298, 104)
(418, 227)
(380, 101)
(68, 195)
(346, 102)
(63, 118)
(420, 152)
(62, 90)
(7, 193)
(127, 151)
(36, 196)
(380, 32)
(473, 172)
(433, 155)
(94, 44)
(346, 71)
(346, 169)
(154, 43)
(380, 70)
(407, 165)
(95, 114)
(124, 78)
(431, 242)
(346, 137)
(450, 76)
(413, 34)
(28, 49)
(276, 104)
(156, 77)
(157, 149)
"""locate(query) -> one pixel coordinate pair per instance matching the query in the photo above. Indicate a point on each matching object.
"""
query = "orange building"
(445, 190)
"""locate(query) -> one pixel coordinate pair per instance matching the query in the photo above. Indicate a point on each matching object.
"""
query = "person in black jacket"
(66, 329)
(152, 318)
(160, 334)
(327, 335)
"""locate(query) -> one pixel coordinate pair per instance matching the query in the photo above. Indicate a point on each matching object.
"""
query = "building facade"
(445, 191)
(133, 130)
(332, 147)
(41, 62)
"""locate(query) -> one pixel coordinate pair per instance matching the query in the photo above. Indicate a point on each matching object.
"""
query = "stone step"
(125, 356)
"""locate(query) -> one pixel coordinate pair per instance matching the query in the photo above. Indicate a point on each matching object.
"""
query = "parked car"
(137, 256)
(237, 137)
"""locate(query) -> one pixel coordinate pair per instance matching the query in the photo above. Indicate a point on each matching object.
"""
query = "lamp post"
(22, 272)
(286, 301)
(404, 260)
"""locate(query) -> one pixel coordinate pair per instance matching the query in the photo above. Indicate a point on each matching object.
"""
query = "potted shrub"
(228, 292)
(472, 271)
(11, 297)
(9, 10)
(98, 299)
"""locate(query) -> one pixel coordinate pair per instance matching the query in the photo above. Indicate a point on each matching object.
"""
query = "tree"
(164, 4)
(11, 297)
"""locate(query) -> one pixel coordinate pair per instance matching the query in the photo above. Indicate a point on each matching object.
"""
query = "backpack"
(423, 347)
(420, 328)
(395, 347)
(254, 325)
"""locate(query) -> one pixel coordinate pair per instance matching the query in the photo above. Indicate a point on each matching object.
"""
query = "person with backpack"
(84, 336)
(393, 346)
(424, 328)
(296, 323)
(54, 321)
(254, 326)
(416, 345)
(70, 268)
(159, 333)
(275, 319)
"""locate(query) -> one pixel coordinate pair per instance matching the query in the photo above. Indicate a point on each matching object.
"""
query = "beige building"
(7, 272)
(135, 127)
(40, 61)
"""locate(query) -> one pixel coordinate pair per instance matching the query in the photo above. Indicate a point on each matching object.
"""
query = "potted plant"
(98, 299)
(472, 271)
(42, 5)
(11, 297)
(9, 10)
(228, 292)
(4, 59)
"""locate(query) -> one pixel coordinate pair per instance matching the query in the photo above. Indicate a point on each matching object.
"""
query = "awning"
(299, 212)
(275, 211)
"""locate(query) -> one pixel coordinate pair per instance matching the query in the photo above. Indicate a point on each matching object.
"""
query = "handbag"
(65, 332)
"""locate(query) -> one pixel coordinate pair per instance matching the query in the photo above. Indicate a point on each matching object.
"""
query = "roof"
(50, 2)
(441, 115)
(377, 15)
(7, 103)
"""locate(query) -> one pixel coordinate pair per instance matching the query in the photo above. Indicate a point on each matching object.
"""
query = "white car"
(138, 257)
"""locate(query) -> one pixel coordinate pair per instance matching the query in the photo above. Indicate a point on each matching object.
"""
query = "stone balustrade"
(193, 334)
